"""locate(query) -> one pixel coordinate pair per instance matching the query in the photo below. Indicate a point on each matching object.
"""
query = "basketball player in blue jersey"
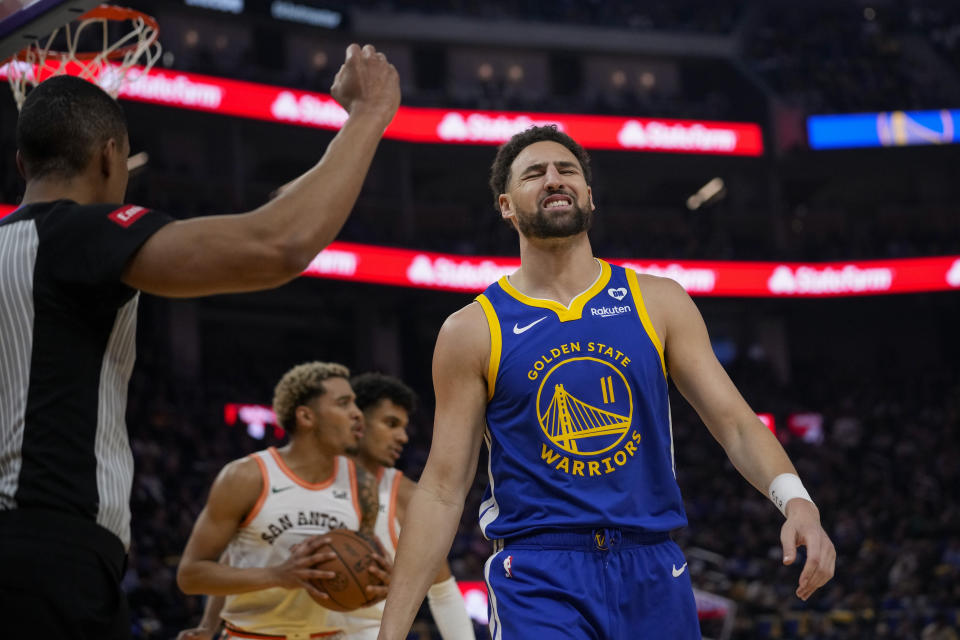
(561, 368)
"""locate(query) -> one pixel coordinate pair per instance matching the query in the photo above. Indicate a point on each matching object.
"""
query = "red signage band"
(472, 274)
(423, 125)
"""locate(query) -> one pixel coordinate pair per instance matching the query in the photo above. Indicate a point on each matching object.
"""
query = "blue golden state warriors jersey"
(578, 418)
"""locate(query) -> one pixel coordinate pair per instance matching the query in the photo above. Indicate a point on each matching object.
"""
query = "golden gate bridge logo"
(572, 420)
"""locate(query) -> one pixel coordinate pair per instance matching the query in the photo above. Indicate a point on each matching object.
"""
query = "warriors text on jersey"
(288, 511)
(578, 418)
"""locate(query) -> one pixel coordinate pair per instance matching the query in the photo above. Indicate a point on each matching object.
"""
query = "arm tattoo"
(369, 499)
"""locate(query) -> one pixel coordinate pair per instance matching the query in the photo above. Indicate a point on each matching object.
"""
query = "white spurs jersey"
(363, 624)
(288, 511)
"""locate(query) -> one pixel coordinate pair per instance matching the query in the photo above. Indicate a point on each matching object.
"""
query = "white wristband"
(449, 611)
(784, 488)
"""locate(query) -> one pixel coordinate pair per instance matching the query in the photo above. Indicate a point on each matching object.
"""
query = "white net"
(111, 64)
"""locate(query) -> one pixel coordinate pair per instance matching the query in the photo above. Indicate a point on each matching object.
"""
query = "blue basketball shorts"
(601, 585)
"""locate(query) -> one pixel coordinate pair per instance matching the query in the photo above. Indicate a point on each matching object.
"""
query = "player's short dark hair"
(371, 388)
(63, 121)
(509, 150)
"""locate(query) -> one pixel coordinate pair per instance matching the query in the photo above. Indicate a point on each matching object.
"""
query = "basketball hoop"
(110, 67)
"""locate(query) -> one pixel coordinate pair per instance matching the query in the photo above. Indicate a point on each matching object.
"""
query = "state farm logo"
(676, 137)
(953, 275)
(811, 280)
(159, 87)
(455, 274)
(308, 109)
(478, 127)
(693, 280)
(331, 262)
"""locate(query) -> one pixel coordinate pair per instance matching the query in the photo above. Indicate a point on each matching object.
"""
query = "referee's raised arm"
(276, 242)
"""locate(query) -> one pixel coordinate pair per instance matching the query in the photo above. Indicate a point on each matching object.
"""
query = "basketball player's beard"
(352, 451)
(541, 224)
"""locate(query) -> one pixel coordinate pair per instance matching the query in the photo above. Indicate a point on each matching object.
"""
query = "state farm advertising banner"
(470, 274)
(428, 125)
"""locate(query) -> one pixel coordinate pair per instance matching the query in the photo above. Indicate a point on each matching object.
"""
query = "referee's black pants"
(60, 578)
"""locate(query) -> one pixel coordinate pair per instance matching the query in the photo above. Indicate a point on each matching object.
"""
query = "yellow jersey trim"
(645, 317)
(496, 343)
(565, 314)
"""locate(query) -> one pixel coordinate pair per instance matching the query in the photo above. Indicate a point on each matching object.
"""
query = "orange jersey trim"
(351, 467)
(392, 510)
(265, 486)
(313, 486)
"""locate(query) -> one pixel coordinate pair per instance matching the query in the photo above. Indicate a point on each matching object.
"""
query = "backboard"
(24, 21)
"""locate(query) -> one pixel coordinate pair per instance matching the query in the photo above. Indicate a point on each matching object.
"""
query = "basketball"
(347, 590)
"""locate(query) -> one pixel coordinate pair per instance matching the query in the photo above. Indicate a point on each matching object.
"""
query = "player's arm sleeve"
(449, 611)
(91, 245)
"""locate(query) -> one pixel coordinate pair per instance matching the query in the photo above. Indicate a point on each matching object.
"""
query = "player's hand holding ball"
(367, 83)
(299, 572)
(355, 573)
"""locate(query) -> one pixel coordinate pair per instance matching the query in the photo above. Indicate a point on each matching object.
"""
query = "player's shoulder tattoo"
(368, 499)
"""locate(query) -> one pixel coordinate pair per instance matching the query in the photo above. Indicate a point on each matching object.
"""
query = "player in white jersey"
(386, 404)
(266, 514)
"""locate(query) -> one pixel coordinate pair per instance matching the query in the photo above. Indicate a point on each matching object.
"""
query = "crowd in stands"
(848, 57)
(661, 15)
(884, 478)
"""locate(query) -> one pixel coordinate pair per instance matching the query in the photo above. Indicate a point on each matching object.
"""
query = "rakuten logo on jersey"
(159, 87)
(308, 109)
(478, 127)
(455, 274)
(811, 280)
(693, 280)
(953, 275)
(330, 262)
(676, 137)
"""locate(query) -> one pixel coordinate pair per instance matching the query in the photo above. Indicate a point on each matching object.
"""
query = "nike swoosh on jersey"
(518, 330)
(279, 489)
(679, 572)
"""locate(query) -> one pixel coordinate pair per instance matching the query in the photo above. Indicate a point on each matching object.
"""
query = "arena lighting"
(709, 193)
(768, 421)
(472, 274)
(256, 417)
(438, 126)
(303, 14)
(228, 6)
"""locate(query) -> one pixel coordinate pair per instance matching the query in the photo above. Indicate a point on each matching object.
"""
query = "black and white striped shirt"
(67, 347)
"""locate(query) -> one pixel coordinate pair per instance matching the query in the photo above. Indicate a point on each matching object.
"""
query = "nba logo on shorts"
(507, 566)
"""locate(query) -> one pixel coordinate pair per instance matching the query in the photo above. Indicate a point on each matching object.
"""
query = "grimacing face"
(385, 432)
(547, 192)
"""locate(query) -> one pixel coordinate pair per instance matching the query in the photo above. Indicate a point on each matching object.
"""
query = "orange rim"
(113, 14)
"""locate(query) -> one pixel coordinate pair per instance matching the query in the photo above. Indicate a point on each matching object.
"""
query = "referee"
(72, 261)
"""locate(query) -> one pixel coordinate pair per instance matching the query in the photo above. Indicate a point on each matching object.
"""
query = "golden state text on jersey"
(578, 418)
